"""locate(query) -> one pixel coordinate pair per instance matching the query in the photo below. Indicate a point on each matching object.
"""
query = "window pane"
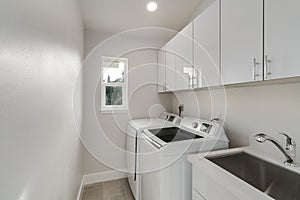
(113, 70)
(113, 95)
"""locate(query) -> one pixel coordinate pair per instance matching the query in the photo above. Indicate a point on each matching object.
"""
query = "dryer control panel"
(173, 118)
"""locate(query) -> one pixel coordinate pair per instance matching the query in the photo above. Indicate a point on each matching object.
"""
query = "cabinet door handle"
(267, 67)
(255, 64)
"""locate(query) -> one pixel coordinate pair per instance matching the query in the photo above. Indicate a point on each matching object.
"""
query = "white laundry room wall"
(40, 57)
(247, 111)
(104, 134)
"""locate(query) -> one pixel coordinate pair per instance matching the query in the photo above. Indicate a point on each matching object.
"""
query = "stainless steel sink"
(273, 180)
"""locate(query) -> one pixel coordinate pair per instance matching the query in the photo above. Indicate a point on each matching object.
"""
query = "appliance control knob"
(195, 124)
(166, 117)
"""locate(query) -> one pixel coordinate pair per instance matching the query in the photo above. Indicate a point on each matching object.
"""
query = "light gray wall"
(248, 110)
(104, 135)
(40, 56)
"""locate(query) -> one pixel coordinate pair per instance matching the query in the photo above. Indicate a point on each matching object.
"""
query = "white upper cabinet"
(183, 43)
(242, 40)
(179, 60)
(184, 58)
(231, 42)
(206, 47)
(170, 66)
(282, 43)
(161, 70)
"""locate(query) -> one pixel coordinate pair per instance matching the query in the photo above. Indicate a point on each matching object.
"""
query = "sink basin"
(275, 181)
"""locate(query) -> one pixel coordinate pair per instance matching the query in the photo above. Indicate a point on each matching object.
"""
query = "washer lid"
(147, 123)
(173, 134)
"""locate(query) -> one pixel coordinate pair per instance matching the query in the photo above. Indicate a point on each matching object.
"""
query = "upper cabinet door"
(206, 46)
(183, 42)
(242, 40)
(179, 60)
(282, 43)
(161, 70)
(170, 66)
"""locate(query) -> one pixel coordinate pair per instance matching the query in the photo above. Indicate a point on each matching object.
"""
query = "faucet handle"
(289, 141)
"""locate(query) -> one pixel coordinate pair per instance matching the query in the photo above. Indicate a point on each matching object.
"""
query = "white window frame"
(114, 108)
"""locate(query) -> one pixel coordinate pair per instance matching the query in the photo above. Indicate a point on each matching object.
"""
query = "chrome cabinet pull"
(267, 67)
(255, 64)
(191, 81)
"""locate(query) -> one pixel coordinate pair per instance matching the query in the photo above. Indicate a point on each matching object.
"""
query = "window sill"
(113, 111)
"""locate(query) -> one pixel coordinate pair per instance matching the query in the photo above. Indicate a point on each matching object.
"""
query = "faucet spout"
(261, 137)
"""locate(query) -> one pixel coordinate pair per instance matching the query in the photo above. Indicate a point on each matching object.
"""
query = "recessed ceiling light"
(152, 6)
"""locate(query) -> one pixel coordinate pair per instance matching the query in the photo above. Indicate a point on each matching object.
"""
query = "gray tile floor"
(110, 190)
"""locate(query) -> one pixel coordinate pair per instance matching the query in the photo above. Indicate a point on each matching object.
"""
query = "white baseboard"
(103, 176)
(98, 178)
(79, 195)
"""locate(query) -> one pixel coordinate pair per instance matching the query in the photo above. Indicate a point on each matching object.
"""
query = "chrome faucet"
(289, 151)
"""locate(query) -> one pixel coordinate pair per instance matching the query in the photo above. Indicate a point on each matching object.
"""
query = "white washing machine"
(166, 173)
(134, 130)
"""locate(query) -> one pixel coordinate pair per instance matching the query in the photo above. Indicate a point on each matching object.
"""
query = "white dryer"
(134, 130)
(166, 172)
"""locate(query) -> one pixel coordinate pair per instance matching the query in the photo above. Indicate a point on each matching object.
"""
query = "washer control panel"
(203, 127)
(206, 128)
(195, 124)
(171, 118)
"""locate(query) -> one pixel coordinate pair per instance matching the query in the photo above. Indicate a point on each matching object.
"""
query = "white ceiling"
(114, 16)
